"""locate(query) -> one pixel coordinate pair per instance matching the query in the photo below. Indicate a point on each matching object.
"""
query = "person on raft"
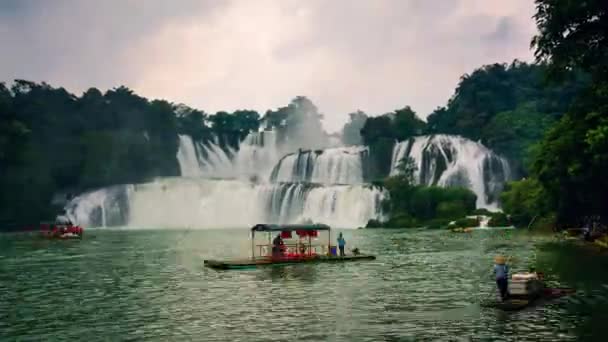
(501, 270)
(277, 246)
(341, 244)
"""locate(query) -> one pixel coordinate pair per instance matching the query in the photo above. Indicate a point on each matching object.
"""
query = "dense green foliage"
(499, 220)
(381, 132)
(568, 182)
(507, 107)
(52, 141)
(466, 222)
(415, 205)
(523, 200)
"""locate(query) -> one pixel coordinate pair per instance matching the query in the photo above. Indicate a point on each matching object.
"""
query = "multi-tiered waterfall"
(255, 185)
(262, 182)
(447, 160)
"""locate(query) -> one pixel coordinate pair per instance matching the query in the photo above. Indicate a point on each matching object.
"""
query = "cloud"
(345, 55)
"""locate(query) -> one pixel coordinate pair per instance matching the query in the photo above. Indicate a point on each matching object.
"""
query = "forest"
(549, 118)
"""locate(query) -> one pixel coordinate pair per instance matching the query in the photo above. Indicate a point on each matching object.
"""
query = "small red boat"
(61, 229)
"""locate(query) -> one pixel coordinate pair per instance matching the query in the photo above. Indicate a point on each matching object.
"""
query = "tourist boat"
(301, 251)
(61, 229)
(527, 289)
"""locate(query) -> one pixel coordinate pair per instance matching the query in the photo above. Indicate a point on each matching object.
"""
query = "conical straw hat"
(499, 259)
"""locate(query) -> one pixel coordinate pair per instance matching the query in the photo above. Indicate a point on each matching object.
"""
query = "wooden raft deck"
(264, 261)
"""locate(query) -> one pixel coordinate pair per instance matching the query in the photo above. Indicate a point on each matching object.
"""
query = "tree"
(406, 169)
(507, 107)
(571, 162)
(298, 124)
(524, 200)
(572, 34)
(406, 124)
(351, 133)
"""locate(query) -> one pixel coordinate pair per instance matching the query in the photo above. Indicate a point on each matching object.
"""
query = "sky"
(345, 55)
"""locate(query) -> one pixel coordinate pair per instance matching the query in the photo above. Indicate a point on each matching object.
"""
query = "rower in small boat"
(501, 270)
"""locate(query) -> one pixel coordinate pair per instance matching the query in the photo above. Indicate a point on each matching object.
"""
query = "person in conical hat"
(501, 270)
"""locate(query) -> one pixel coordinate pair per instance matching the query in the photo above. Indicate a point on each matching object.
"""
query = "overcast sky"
(345, 55)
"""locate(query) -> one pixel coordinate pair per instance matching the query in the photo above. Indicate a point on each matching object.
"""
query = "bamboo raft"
(252, 263)
(302, 252)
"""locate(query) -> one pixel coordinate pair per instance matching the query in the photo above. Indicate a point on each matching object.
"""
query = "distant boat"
(62, 229)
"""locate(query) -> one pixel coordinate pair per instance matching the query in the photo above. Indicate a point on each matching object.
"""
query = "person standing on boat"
(501, 270)
(341, 244)
(277, 246)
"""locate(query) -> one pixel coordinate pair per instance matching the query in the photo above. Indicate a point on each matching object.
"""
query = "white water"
(344, 206)
(340, 165)
(315, 186)
(257, 155)
(187, 157)
(446, 160)
(198, 159)
(203, 203)
(103, 207)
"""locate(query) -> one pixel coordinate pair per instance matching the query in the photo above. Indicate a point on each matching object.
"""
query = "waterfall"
(344, 205)
(101, 208)
(446, 160)
(187, 157)
(340, 165)
(262, 182)
(208, 159)
(257, 154)
(205, 203)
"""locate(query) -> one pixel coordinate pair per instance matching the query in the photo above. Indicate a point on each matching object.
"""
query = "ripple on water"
(151, 285)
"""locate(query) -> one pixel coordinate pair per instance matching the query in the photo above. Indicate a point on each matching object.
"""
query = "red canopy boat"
(62, 228)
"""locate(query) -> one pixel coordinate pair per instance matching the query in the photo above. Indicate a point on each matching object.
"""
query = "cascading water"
(205, 203)
(324, 186)
(256, 156)
(101, 208)
(208, 159)
(446, 160)
(341, 165)
(187, 157)
(197, 200)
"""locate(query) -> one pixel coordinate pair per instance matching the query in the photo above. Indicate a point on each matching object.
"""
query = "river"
(139, 284)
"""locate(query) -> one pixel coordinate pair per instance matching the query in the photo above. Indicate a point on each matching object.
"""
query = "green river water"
(119, 284)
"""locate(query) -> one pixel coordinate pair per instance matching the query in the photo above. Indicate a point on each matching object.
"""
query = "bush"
(414, 205)
(402, 221)
(374, 224)
(465, 223)
(546, 223)
(482, 211)
(523, 200)
(451, 210)
(499, 220)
